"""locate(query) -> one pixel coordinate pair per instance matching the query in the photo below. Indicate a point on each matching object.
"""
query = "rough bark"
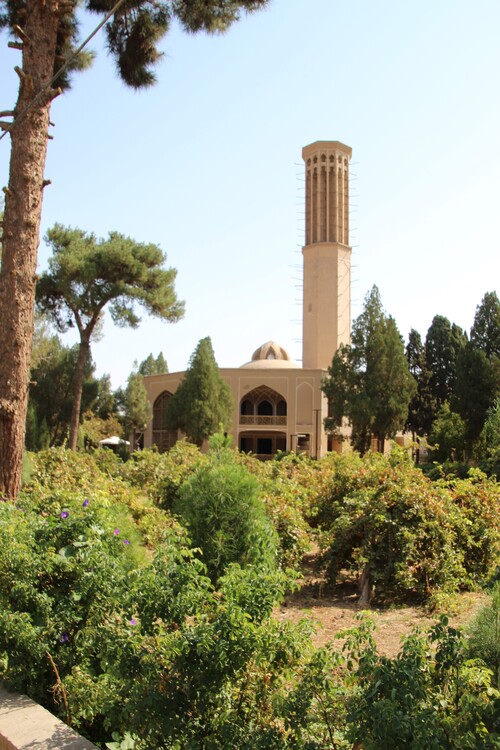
(22, 214)
(364, 588)
(83, 355)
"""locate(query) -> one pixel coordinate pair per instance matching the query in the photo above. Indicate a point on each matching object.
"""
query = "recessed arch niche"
(163, 438)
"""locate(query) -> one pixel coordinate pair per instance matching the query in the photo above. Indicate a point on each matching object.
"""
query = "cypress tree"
(369, 381)
(203, 402)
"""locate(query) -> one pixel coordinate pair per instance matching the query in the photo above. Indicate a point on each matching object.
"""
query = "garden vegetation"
(137, 600)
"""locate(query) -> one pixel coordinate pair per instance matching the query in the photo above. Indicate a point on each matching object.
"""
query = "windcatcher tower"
(326, 315)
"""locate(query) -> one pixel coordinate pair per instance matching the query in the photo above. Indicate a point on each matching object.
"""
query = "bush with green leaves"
(478, 524)
(221, 506)
(178, 649)
(61, 478)
(160, 475)
(291, 485)
(59, 572)
(447, 440)
(387, 523)
(152, 656)
(430, 697)
(488, 447)
(483, 641)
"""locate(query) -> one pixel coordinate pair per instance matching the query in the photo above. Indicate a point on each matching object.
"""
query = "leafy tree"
(369, 381)
(105, 403)
(475, 390)
(443, 343)
(489, 443)
(133, 399)
(85, 275)
(492, 426)
(94, 428)
(478, 368)
(447, 438)
(485, 332)
(203, 402)
(152, 366)
(137, 412)
(51, 395)
(47, 33)
(44, 340)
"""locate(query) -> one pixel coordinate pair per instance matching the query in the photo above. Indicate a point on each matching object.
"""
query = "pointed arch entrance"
(163, 438)
(262, 412)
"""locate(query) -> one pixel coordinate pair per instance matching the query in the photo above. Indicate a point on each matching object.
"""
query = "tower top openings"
(326, 255)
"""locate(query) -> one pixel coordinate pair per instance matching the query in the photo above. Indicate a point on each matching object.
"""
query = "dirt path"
(333, 609)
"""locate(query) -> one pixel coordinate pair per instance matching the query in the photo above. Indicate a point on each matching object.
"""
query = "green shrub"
(429, 697)
(484, 636)
(59, 573)
(408, 534)
(160, 474)
(477, 524)
(225, 516)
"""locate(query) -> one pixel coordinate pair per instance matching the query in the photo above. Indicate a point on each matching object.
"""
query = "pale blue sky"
(208, 165)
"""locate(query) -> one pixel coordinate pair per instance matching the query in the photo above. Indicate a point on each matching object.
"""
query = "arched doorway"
(262, 412)
(163, 438)
(263, 444)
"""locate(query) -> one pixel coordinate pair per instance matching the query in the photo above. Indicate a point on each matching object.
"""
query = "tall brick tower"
(326, 315)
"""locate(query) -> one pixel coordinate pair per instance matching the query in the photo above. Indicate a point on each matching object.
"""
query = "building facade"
(279, 406)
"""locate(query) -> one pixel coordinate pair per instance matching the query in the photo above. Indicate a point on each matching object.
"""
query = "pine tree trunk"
(83, 355)
(22, 214)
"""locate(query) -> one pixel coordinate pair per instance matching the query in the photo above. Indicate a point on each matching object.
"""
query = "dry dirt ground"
(334, 608)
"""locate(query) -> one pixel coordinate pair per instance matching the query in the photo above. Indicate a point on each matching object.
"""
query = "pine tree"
(85, 275)
(47, 35)
(203, 403)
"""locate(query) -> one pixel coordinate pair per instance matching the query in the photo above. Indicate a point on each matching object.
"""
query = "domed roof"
(270, 354)
(270, 350)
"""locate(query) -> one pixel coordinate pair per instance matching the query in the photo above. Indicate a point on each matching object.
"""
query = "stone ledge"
(24, 725)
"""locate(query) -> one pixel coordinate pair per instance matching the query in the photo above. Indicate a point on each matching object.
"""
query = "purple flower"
(126, 541)
(116, 532)
(133, 622)
(63, 638)
(85, 502)
(64, 514)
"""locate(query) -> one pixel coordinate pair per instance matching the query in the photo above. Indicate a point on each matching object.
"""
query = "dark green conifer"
(203, 404)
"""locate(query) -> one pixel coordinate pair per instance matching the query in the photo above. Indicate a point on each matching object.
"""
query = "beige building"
(279, 405)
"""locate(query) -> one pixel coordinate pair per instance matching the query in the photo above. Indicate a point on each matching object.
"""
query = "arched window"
(265, 409)
(281, 408)
(246, 407)
(263, 405)
(163, 438)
